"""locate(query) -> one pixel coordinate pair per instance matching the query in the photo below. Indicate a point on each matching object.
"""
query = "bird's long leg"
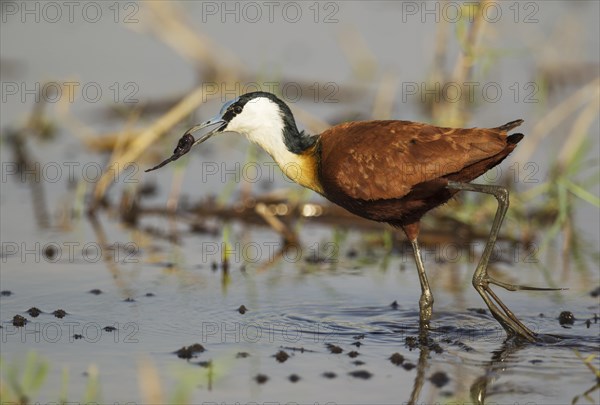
(426, 300)
(481, 279)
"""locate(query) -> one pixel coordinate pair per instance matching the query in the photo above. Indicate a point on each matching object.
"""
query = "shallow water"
(161, 296)
(298, 307)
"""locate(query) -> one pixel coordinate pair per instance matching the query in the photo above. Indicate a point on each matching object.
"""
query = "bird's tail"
(514, 139)
(510, 125)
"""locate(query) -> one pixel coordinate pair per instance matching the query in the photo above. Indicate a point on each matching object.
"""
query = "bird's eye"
(237, 109)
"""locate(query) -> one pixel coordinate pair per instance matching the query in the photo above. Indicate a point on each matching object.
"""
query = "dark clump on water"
(439, 379)
(59, 313)
(19, 321)
(358, 363)
(50, 252)
(242, 309)
(281, 356)
(294, 378)
(362, 374)
(397, 359)
(566, 318)
(353, 354)
(34, 312)
(261, 378)
(77, 336)
(329, 374)
(411, 342)
(95, 291)
(129, 299)
(334, 349)
(394, 305)
(187, 352)
(109, 329)
(242, 355)
(480, 311)
(5, 293)
(595, 292)
(408, 366)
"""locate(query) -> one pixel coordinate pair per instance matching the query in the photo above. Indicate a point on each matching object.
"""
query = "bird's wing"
(375, 160)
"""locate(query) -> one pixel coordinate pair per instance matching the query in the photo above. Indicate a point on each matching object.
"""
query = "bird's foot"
(511, 324)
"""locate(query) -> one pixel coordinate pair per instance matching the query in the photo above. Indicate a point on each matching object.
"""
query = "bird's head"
(262, 118)
(267, 121)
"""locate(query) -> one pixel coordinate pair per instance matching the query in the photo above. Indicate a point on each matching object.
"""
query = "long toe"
(518, 287)
(511, 324)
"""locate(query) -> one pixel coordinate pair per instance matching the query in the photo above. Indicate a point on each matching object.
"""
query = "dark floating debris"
(396, 359)
(535, 361)
(595, 292)
(34, 312)
(362, 374)
(436, 347)
(95, 291)
(394, 305)
(357, 344)
(358, 363)
(294, 378)
(242, 309)
(359, 337)
(59, 313)
(109, 329)
(411, 342)
(329, 374)
(353, 354)
(261, 378)
(77, 336)
(149, 294)
(19, 321)
(129, 299)
(5, 293)
(49, 252)
(480, 311)
(242, 355)
(205, 364)
(439, 379)
(408, 366)
(334, 349)
(187, 352)
(566, 318)
(281, 356)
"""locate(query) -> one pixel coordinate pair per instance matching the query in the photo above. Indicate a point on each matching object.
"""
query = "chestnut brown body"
(396, 171)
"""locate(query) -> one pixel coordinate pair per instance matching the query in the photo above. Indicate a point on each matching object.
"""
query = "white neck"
(261, 123)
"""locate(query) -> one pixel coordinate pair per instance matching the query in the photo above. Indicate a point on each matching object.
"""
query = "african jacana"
(386, 171)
